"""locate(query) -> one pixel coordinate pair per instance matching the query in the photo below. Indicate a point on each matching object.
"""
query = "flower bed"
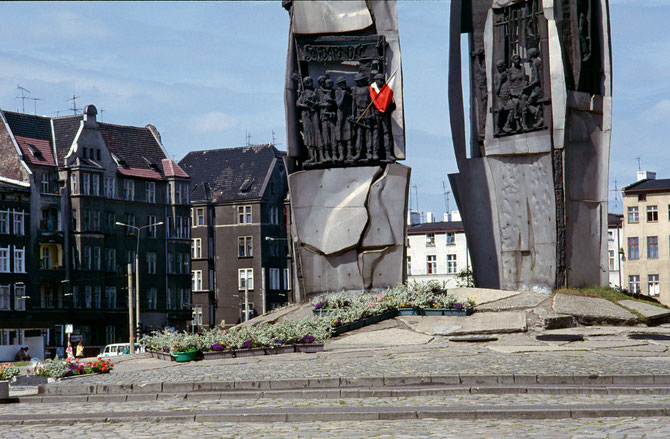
(8, 371)
(70, 367)
(334, 314)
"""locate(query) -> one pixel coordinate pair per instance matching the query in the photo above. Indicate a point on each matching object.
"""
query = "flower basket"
(309, 348)
(408, 311)
(186, 356)
(217, 355)
(281, 349)
(250, 352)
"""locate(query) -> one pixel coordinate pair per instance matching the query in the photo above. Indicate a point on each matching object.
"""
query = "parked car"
(114, 350)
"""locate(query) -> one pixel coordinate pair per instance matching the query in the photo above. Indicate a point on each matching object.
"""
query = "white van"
(113, 350)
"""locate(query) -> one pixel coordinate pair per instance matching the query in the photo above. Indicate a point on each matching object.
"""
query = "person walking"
(80, 350)
(69, 350)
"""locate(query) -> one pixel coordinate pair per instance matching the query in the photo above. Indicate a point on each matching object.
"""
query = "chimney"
(90, 113)
(646, 175)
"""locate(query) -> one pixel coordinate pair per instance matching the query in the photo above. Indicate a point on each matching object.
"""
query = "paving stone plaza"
(608, 385)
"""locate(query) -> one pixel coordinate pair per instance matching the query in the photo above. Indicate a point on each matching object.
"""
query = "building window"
(150, 191)
(451, 264)
(274, 215)
(19, 224)
(245, 247)
(199, 219)
(75, 257)
(152, 230)
(451, 238)
(180, 263)
(183, 298)
(610, 256)
(97, 297)
(19, 260)
(86, 183)
(76, 300)
(245, 278)
(652, 247)
(652, 283)
(130, 221)
(186, 228)
(243, 214)
(110, 334)
(19, 297)
(73, 184)
(171, 298)
(86, 263)
(431, 264)
(45, 183)
(187, 263)
(152, 299)
(88, 296)
(287, 279)
(110, 187)
(610, 235)
(196, 248)
(633, 248)
(4, 259)
(196, 278)
(430, 239)
(95, 185)
(169, 192)
(275, 275)
(641, 197)
(129, 190)
(47, 297)
(170, 267)
(652, 214)
(4, 222)
(110, 260)
(151, 262)
(177, 194)
(409, 265)
(634, 283)
(110, 297)
(4, 297)
(96, 220)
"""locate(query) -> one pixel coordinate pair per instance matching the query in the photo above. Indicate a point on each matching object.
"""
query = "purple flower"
(278, 342)
(217, 347)
(318, 305)
(458, 306)
(307, 339)
(247, 344)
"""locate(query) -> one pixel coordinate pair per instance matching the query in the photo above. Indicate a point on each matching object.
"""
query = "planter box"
(282, 349)
(162, 356)
(186, 356)
(408, 311)
(217, 355)
(432, 311)
(390, 314)
(252, 352)
(458, 312)
(27, 380)
(309, 348)
(4, 390)
(318, 312)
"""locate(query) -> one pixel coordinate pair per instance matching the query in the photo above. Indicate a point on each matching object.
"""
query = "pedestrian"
(80, 350)
(26, 355)
(69, 350)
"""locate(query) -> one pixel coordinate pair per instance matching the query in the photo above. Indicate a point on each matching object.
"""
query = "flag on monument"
(382, 98)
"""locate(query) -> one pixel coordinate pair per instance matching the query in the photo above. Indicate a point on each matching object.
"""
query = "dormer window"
(35, 151)
(246, 186)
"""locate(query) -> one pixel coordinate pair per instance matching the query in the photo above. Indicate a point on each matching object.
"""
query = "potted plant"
(185, 349)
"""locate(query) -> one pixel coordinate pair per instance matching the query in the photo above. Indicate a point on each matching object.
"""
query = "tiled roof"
(648, 185)
(28, 125)
(172, 169)
(230, 173)
(36, 151)
(614, 219)
(65, 128)
(136, 146)
(438, 227)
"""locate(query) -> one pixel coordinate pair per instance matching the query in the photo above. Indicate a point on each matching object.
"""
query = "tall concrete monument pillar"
(345, 135)
(532, 187)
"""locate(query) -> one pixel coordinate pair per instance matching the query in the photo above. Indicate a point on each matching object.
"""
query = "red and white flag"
(382, 97)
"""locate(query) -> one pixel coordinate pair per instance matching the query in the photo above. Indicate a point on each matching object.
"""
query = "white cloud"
(214, 121)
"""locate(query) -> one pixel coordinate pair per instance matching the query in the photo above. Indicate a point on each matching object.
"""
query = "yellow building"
(646, 268)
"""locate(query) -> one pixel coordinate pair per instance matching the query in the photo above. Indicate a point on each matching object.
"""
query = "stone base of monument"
(349, 227)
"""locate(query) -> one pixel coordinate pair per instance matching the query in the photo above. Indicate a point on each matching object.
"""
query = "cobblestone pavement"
(604, 355)
(175, 404)
(484, 429)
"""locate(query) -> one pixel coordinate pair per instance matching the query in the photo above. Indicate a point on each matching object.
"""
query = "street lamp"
(137, 277)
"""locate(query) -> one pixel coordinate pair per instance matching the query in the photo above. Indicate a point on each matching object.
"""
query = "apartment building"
(615, 249)
(437, 251)
(240, 232)
(646, 237)
(85, 178)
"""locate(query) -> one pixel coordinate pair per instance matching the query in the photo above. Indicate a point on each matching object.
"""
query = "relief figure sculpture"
(320, 92)
(517, 82)
(531, 107)
(309, 115)
(360, 119)
(328, 120)
(343, 126)
(480, 80)
(504, 99)
(381, 132)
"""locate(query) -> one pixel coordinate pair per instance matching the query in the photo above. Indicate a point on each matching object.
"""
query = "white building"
(615, 248)
(437, 251)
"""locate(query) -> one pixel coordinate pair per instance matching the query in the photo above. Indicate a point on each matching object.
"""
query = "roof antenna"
(616, 195)
(416, 197)
(639, 168)
(23, 97)
(35, 103)
(102, 112)
(273, 137)
(74, 103)
(248, 136)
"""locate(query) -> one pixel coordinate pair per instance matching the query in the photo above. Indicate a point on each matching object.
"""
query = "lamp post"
(137, 272)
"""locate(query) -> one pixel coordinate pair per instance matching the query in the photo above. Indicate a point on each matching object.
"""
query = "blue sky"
(204, 73)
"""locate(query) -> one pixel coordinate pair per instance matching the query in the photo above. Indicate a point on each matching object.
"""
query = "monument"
(532, 187)
(345, 135)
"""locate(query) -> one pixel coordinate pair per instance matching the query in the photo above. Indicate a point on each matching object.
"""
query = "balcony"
(51, 257)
